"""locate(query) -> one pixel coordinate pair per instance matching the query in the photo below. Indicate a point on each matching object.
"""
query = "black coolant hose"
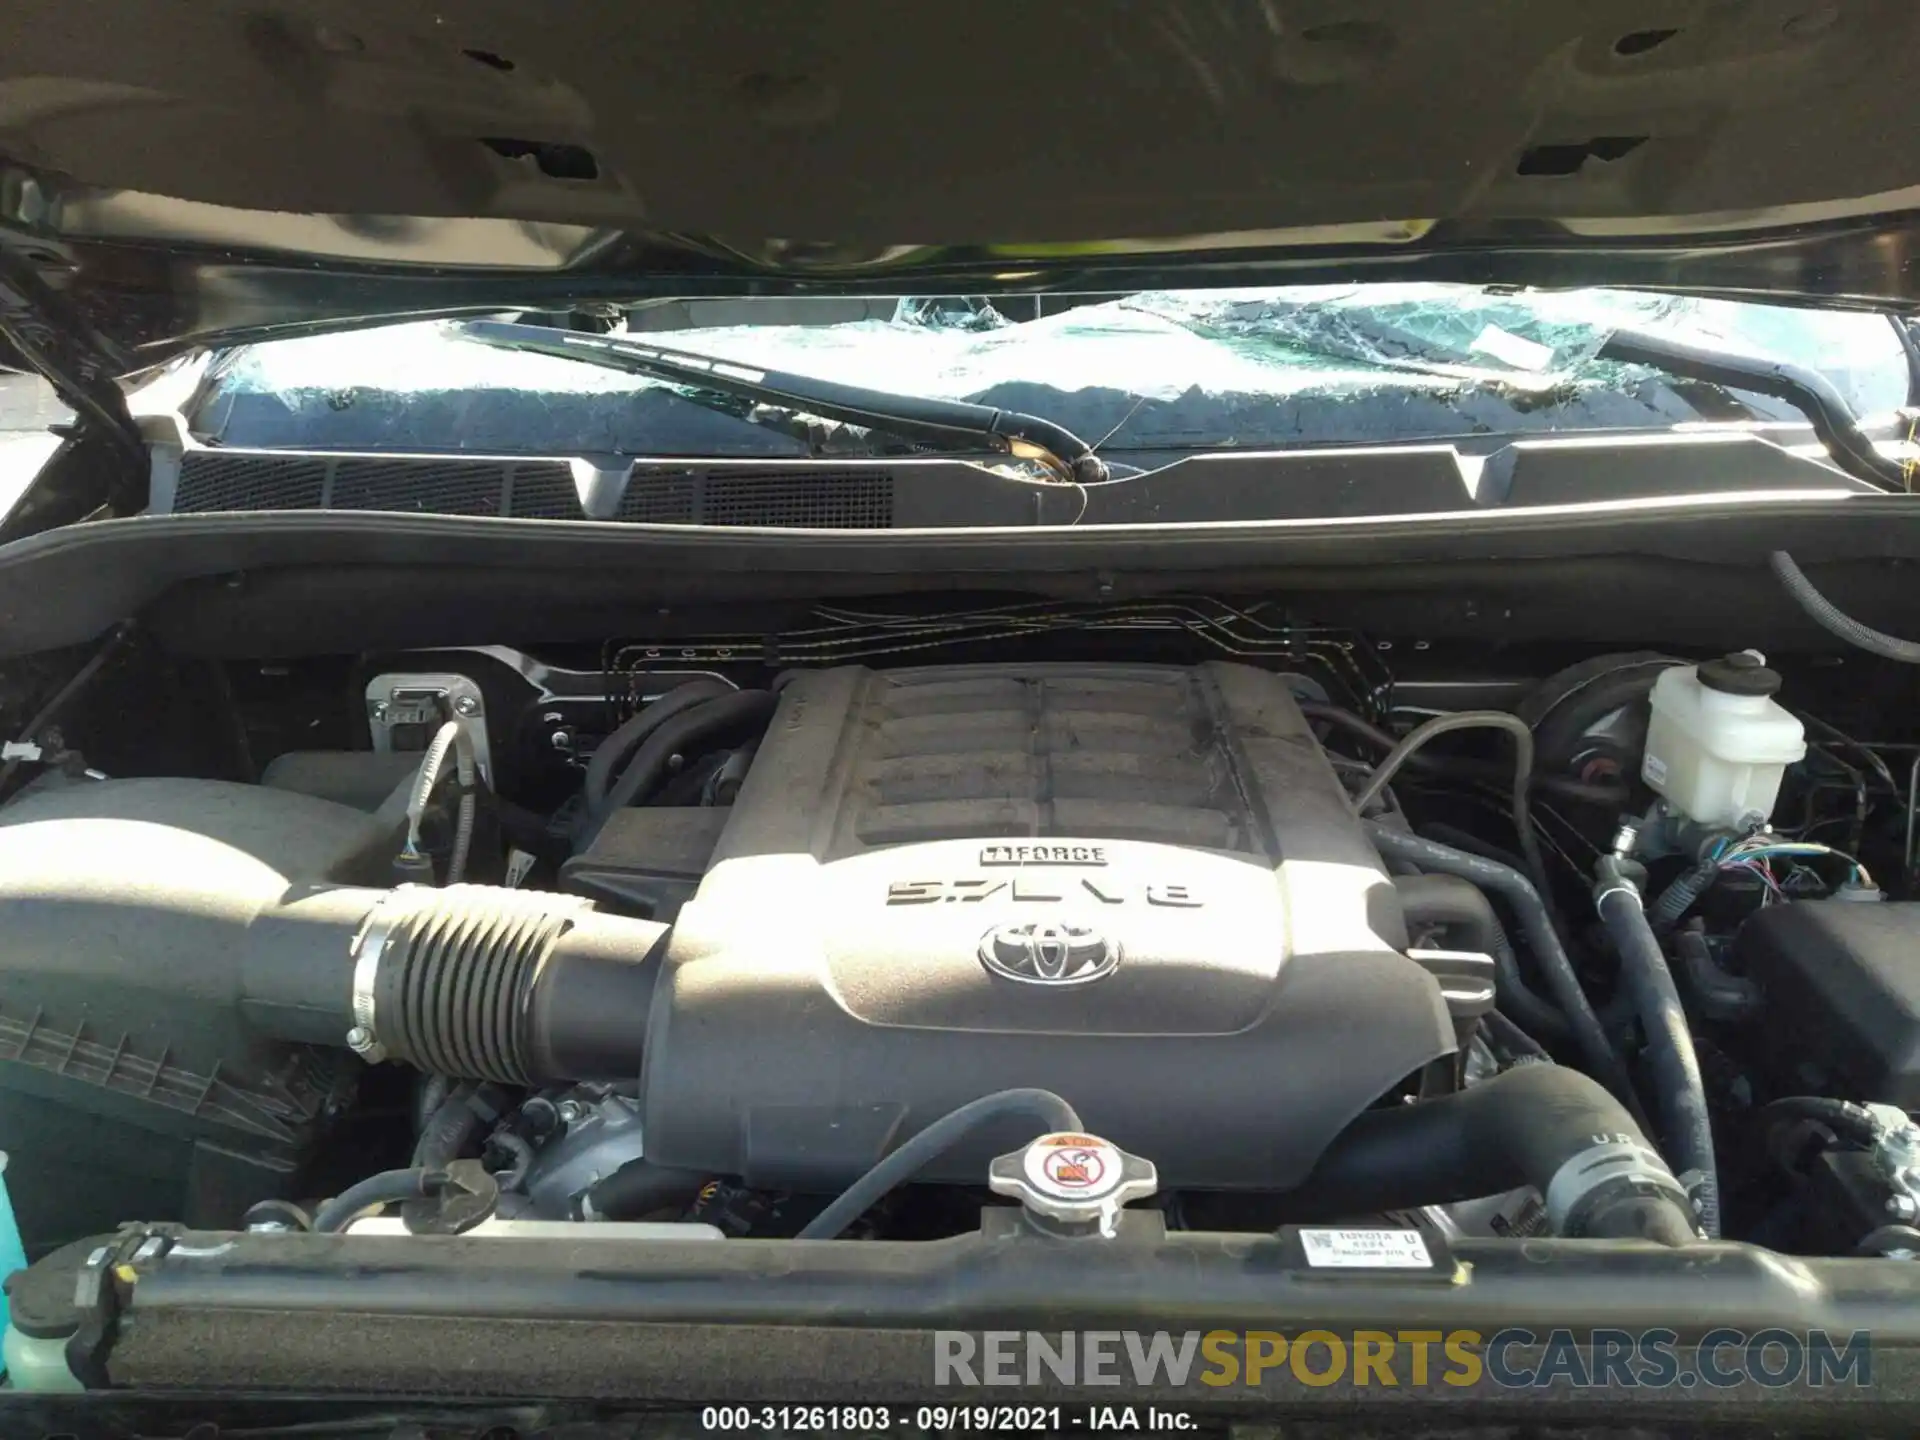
(1457, 903)
(1043, 1106)
(638, 1188)
(1854, 1124)
(1835, 621)
(674, 736)
(1522, 736)
(1489, 772)
(1672, 904)
(451, 1127)
(1540, 1125)
(610, 754)
(389, 1187)
(1676, 1068)
(1548, 953)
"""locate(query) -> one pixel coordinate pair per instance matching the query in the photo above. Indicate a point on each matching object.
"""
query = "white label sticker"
(1655, 770)
(1366, 1249)
(519, 866)
(1512, 349)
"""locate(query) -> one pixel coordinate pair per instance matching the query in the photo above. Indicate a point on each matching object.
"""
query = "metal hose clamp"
(369, 948)
(1611, 1163)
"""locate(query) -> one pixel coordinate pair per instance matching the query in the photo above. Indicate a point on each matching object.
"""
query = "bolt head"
(572, 1111)
(466, 705)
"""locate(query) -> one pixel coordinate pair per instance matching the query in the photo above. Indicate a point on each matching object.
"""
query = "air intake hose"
(470, 981)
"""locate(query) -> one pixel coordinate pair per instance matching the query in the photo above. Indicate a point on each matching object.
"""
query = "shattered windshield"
(1144, 375)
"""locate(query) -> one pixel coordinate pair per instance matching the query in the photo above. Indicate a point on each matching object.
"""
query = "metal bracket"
(399, 698)
(50, 334)
(97, 1298)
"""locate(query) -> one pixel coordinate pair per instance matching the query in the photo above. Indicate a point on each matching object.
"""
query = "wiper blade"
(913, 417)
(1808, 391)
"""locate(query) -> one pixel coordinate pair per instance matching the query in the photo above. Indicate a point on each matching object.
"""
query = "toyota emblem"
(1044, 952)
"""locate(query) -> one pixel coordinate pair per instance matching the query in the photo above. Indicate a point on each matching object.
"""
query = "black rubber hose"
(476, 982)
(1852, 1123)
(674, 736)
(611, 753)
(1522, 736)
(1537, 1014)
(1588, 1034)
(637, 1189)
(1806, 389)
(1456, 902)
(1044, 1106)
(1442, 833)
(448, 1131)
(1835, 621)
(1716, 994)
(1522, 1127)
(1676, 1068)
(1566, 787)
(387, 1188)
(1682, 891)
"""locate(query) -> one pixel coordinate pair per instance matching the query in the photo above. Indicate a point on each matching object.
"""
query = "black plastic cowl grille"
(781, 499)
(213, 481)
(218, 480)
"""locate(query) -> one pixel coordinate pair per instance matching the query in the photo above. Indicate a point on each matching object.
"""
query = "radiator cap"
(1073, 1184)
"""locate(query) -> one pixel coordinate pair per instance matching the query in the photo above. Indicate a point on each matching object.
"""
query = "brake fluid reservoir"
(1717, 743)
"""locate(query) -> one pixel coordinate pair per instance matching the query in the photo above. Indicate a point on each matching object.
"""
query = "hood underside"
(223, 169)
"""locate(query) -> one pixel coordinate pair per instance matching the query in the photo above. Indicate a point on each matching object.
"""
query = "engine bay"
(706, 930)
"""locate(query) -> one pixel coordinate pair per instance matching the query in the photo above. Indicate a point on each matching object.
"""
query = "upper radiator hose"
(1540, 1125)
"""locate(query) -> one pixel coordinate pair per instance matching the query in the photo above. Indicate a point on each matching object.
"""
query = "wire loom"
(1259, 632)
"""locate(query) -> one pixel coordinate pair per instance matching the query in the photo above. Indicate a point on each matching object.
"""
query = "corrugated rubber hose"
(1835, 621)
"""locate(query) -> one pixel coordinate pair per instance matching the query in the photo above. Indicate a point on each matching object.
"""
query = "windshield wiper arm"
(913, 417)
(1808, 391)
